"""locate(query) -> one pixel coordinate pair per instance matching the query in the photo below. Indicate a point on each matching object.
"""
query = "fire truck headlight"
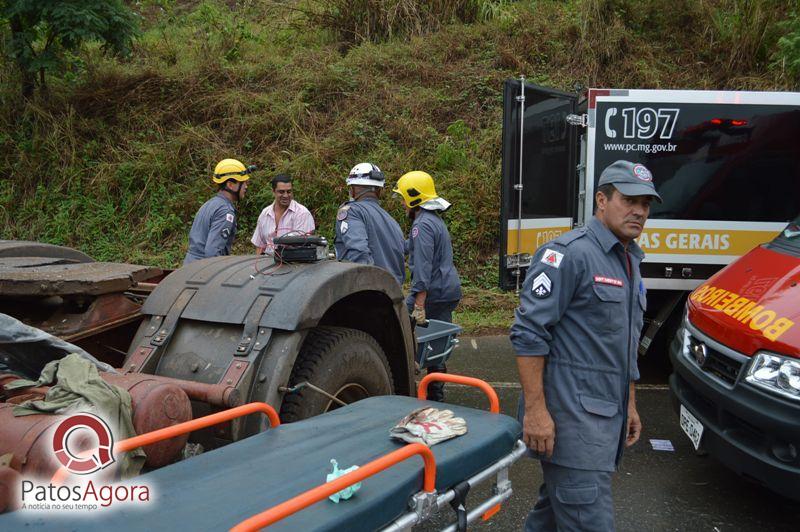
(775, 373)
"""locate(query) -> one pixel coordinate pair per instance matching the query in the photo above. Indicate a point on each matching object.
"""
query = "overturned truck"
(305, 338)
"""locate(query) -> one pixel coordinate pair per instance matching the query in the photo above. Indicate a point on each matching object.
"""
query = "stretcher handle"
(182, 428)
(494, 402)
(323, 491)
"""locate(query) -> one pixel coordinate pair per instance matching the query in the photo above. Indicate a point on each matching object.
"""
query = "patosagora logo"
(80, 492)
(103, 457)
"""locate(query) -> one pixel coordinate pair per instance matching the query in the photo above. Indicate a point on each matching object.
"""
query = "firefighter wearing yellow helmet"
(214, 226)
(435, 285)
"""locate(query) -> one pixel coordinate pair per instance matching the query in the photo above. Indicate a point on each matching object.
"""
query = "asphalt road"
(654, 490)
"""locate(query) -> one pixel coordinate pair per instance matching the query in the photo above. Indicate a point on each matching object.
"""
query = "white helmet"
(366, 174)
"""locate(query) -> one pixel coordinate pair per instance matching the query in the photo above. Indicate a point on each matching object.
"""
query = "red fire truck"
(736, 360)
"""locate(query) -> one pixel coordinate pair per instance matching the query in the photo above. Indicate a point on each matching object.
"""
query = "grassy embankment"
(113, 159)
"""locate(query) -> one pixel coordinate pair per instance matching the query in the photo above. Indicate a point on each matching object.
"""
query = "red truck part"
(155, 405)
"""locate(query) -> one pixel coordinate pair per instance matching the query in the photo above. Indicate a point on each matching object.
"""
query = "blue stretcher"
(221, 488)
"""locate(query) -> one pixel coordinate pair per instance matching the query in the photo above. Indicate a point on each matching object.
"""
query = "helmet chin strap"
(235, 193)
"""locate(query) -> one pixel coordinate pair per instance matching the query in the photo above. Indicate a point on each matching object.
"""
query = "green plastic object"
(347, 492)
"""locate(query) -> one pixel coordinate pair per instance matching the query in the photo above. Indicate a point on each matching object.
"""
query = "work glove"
(429, 426)
(419, 314)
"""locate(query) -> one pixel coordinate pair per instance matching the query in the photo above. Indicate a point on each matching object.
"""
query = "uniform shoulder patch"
(414, 232)
(552, 258)
(542, 286)
(570, 237)
(343, 227)
(230, 217)
(341, 214)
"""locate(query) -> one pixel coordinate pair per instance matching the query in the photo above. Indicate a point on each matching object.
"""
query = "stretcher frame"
(422, 505)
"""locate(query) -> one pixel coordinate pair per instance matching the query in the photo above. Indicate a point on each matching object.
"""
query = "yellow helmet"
(416, 188)
(231, 169)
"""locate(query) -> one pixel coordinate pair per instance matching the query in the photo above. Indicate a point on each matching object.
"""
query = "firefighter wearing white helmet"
(214, 226)
(435, 285)
(365, 233)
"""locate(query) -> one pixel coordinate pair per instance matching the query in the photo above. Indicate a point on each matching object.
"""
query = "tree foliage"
(41, 33)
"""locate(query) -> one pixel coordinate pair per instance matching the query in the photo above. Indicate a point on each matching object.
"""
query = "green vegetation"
(358, 21)
(44, 35)
(788, 56)
(115, 157)
(486, 311)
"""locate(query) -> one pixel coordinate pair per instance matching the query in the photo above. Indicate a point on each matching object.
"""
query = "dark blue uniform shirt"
(213, 229)
(430, 259)
(582, 306)
(367, 234)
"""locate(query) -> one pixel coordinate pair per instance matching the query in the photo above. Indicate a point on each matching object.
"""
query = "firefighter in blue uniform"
(214, 226)
(435, 286)
(575, 336)
(365, 233)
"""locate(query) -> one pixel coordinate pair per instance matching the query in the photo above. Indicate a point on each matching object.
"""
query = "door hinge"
(578, 120)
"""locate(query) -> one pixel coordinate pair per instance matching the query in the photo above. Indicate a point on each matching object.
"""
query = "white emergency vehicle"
(726, 163)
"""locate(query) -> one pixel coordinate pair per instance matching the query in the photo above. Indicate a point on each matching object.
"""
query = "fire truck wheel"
(347, 363)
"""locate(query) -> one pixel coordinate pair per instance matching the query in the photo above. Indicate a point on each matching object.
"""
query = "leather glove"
(429, 426)
(418, 314)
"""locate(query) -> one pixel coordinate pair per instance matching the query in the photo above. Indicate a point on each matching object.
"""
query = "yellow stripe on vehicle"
(702, 242)
(533, 239)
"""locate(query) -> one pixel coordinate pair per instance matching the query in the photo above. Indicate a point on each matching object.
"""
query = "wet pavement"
(654, 490)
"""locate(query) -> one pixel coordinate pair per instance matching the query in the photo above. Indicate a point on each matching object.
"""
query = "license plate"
(692, 427)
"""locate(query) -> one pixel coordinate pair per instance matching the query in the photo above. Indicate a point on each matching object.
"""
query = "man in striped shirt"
(283, 216)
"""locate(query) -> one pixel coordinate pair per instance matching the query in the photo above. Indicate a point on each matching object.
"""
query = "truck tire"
(347, 363)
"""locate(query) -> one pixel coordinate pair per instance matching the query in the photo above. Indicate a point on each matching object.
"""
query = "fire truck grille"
(721, 366)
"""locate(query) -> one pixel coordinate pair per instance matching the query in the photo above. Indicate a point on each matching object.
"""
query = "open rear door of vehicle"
(538, 192)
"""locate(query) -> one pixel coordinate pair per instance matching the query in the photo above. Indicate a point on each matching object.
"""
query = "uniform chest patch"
(552, 258)
(414, 232)
(229, 217)
(542, 286)
(343, 227)
(341, 214)
(601, 279)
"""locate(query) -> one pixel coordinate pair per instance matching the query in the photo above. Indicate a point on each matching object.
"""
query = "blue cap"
(631, 179)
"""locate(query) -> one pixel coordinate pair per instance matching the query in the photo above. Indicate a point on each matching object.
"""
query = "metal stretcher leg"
(501, 492)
